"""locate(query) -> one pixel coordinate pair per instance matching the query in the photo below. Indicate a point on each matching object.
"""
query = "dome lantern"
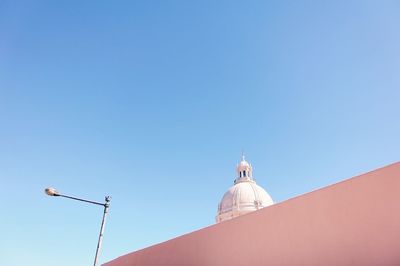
(244, 171)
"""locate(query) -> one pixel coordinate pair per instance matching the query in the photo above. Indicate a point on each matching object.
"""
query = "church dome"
(244, 196)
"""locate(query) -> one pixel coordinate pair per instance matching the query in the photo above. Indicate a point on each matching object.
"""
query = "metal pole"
(106, 206)
(84, 200)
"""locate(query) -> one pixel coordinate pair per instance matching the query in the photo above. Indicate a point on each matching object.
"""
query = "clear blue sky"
(151, 102)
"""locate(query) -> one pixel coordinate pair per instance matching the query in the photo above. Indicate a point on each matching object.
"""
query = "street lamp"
(53, 192)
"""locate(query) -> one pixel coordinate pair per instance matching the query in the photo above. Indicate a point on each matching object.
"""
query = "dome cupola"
(244, 196)
(244, 171)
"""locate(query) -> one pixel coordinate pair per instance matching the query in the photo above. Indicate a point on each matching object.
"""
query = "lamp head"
(51, 191)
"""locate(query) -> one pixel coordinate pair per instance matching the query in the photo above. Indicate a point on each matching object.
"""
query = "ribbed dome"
(244, 196)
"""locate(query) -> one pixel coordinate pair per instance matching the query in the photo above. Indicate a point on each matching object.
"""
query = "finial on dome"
(243, 156)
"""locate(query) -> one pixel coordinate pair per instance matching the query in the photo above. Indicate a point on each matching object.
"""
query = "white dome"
(244, 196)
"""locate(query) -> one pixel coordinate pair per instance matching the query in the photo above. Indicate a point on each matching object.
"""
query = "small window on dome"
(240, 174)
(244, 173)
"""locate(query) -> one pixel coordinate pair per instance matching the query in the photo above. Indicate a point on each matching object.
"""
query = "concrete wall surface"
(354, 222)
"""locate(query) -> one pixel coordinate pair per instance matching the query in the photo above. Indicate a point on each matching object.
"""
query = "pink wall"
(355, 222)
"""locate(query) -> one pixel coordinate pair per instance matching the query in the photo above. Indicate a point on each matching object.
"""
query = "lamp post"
(53, 192)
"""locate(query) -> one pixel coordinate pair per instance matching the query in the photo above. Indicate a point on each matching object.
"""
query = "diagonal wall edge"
(354, 222)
